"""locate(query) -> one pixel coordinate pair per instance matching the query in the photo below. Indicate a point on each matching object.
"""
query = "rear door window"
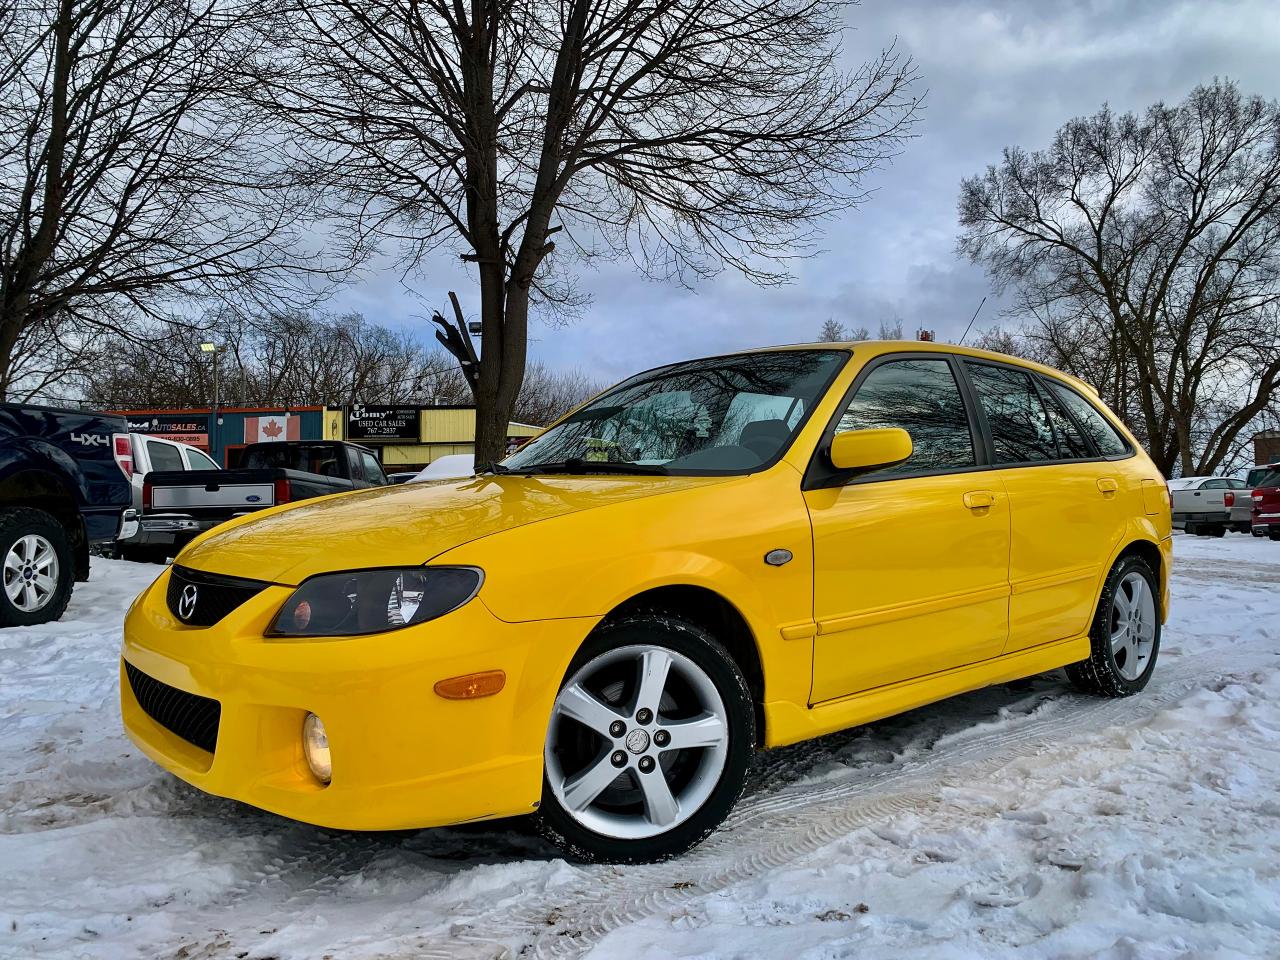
(1020, 427)
(922, 397)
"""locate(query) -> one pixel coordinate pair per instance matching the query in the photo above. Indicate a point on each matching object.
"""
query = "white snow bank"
(1025, 820)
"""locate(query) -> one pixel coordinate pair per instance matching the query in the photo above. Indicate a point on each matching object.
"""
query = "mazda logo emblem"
(187, 602)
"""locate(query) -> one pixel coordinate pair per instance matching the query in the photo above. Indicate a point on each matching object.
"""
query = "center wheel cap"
(637, 741)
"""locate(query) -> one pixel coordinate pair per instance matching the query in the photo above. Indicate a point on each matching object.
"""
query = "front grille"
(191, 717)
(201, 599)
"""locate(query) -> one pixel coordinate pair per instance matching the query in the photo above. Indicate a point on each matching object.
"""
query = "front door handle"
(1108, 486)
(979, 499)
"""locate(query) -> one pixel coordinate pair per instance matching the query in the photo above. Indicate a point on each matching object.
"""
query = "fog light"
(315, 744)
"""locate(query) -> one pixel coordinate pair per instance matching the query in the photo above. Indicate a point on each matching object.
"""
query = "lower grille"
(191, 717)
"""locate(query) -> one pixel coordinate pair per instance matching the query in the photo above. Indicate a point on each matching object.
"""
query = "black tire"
(1218, 530)
(18, 522)
(658, 630)
(1100, 674)
(1274, 533)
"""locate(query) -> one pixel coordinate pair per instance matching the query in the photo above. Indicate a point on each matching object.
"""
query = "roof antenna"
(971, 319)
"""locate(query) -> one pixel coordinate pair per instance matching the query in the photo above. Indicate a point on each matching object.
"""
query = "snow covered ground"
(1021, 821)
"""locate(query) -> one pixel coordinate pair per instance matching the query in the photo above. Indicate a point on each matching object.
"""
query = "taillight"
(123, 450)
(146, 494)
(1229, 499)
(282, 490)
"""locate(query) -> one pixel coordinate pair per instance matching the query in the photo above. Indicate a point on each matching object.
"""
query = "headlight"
(357, 602)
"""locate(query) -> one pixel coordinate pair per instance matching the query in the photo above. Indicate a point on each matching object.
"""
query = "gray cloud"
(999, 72)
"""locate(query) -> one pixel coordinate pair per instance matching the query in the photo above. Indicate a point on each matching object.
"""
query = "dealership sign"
(183, 428)
(386, 424)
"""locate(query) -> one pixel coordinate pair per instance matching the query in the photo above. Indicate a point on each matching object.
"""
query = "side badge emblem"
(776, 558)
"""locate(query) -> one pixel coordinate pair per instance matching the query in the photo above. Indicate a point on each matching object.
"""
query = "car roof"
(930, 346)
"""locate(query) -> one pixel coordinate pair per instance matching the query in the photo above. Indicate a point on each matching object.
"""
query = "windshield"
(723, 415)
(1185, 483)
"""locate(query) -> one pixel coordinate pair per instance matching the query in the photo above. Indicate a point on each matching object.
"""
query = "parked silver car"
(1205, 505)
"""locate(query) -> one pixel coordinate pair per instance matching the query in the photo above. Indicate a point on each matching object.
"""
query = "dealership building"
(405, 436)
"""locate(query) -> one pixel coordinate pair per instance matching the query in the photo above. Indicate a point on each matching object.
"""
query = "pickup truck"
(1203, 505)
(185, 503)
(64, 487)
(152, 454)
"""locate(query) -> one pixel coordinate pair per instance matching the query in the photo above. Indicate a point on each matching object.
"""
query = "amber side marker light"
(471, 685)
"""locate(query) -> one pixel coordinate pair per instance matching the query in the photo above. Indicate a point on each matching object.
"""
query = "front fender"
(587, 563)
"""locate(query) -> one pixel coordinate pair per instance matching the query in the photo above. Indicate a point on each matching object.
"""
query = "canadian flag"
(282, 426)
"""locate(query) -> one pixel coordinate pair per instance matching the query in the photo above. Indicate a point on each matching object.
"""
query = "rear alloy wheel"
(1125, 636)
(648, 744)
(36, 567)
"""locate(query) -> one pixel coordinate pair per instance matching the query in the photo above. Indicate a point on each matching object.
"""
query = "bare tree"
(1144, 252)
(890, 329)
(128, 176)
(548, 393)
(688, 135)
(292, 358)
(832, 331)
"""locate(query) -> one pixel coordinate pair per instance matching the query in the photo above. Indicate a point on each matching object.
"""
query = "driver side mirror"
(870, 449)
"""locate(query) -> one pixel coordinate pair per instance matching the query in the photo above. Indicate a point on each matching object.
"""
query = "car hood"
(404, 525)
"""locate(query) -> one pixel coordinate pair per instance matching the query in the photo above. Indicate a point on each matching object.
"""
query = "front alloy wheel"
(648, 742)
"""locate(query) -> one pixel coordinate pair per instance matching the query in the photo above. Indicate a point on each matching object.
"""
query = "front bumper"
(403, 757)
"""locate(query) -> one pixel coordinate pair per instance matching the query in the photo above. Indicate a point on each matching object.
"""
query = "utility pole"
(214, 431)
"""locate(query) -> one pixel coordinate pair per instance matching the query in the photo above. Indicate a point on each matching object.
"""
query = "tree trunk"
(10, 327)
(501, 370)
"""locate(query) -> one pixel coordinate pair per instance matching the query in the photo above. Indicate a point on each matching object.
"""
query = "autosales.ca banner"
(182, 428)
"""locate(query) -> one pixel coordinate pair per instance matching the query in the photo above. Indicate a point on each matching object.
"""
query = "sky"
(997, 74)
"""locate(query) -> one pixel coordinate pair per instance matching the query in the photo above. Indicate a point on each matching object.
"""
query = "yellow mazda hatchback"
(710, 558)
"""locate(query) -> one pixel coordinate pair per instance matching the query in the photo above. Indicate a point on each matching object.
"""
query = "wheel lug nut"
(646, 764)
(644, 716)
(619, 758)
(662, 738)
(617, 728)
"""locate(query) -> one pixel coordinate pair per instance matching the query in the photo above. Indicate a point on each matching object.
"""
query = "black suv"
(63, 487)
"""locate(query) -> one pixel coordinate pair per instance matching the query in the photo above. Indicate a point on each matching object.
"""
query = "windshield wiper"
(491, 466)
(579, 465)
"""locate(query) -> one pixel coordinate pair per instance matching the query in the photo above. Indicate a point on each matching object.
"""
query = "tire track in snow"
(777, 828)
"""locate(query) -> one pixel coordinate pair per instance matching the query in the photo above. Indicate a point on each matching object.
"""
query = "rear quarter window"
(1105, 437)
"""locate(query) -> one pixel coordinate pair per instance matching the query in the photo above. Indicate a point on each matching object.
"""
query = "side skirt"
(787, 722)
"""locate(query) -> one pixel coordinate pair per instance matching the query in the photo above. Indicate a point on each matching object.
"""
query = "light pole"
(214, 432)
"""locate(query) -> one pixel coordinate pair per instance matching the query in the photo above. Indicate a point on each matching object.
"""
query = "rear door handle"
(1108, 486)
(979, 499)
